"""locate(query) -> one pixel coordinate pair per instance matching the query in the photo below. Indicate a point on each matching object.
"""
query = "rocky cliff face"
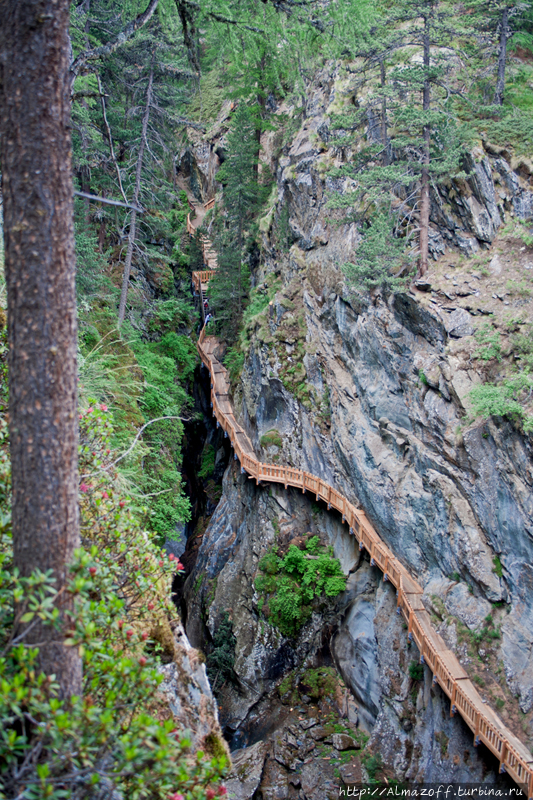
(373, 396)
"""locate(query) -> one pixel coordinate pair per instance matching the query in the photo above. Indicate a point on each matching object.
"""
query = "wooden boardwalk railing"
(486, 725)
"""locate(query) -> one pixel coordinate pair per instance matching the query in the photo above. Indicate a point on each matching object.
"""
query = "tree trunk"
(42, 328)
(133, 222)
(384, 131)
(424, 183)
(504, 36)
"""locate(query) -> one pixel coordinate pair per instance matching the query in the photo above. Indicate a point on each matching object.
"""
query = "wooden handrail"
(514, 757)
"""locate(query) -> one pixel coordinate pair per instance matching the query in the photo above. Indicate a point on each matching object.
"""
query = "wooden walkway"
(485, 724)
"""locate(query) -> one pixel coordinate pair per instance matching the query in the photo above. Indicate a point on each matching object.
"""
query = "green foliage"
(505, 399)
(497, 566)
(220, 661)
(143, 381)
(230, 285)
(515, 130)
(114, 736)
(271, 438)
(373, 765)
(489, 340)
(90, 263)
(234, 362)
(292, 583)
(207, 103)
(416, 671)
(170, 314)
(379, 256)
(319, 683)
(207, 466)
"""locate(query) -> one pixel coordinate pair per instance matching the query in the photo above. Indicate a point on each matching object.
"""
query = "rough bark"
(424, 182)
(40, 276)
(384, 130)
(133, 221)
(502, 56)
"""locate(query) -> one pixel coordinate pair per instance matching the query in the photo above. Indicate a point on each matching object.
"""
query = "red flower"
(210, 793)
(176, 796)
(171, 557)
(103, 407)
(84, 487)
(161, 564)
(122, 503)
(222, 791)
(151, 606)
(105, 495)
(129, 633)
(179, 566)
(142, 661)
(144, 636)
(92, 571)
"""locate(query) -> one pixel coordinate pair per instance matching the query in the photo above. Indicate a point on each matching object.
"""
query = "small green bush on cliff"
(208, 462)
(220, 661)
(290, 585)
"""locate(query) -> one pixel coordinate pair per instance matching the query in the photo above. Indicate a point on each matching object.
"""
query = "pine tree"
(418, 140)
(238, 175)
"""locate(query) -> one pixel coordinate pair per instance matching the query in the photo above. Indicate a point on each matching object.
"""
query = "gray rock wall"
(387, 423)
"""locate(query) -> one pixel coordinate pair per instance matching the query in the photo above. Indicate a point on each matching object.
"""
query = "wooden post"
(476, 731)
(454, 693)
(502, 755)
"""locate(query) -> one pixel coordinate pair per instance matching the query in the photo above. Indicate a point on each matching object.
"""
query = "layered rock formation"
(372, 394)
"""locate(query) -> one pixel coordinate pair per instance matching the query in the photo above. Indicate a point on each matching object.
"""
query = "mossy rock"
(271, 438)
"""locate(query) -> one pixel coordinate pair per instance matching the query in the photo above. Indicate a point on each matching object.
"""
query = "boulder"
(341, 741)
(247, 771)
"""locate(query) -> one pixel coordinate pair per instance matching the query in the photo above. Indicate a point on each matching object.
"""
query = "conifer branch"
(105, 50)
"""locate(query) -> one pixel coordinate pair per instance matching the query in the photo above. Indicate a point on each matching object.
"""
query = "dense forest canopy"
(424, 80)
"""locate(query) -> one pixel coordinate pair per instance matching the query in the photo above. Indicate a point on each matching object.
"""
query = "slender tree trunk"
(502, 56)
(85, 170)
(384, 131)
(133, 222)
(40, 277)
(424, 183)
(110, 138)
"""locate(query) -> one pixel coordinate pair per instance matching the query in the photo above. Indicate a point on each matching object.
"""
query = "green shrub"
(505, 399)
(416, 671)
(220, 661)
(271, 438)
(234, 362)
(291, 584)
(318, 683)
(171, 313)
(497, 566)
(373, 765)
(207, 466)
(116, 736)
(489, 340)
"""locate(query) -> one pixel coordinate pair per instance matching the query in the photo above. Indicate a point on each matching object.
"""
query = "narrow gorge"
(372, 395)
(266, 399)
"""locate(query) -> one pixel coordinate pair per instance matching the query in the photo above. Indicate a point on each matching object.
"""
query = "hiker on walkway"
(208, 319)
